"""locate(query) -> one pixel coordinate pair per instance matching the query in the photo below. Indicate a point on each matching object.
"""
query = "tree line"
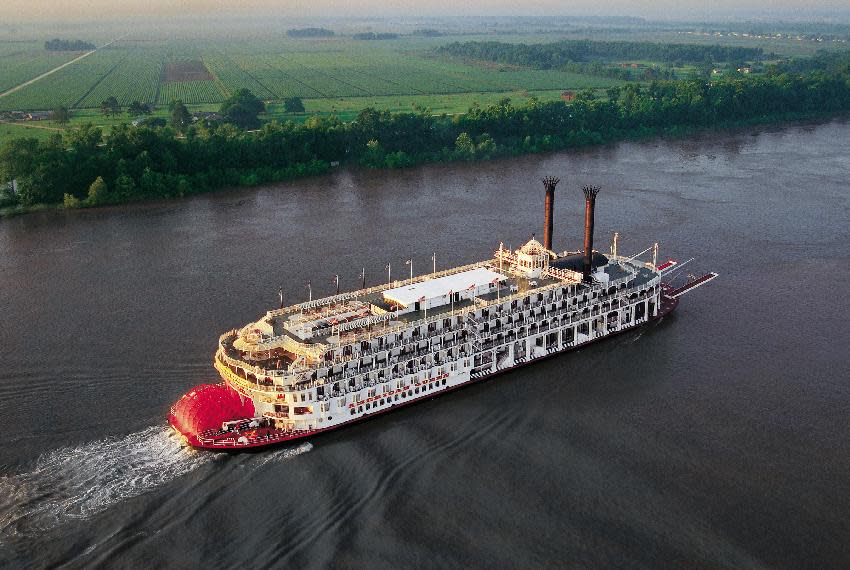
(85, 168)
(558, 54)
(68, 45)
(309, 33)
(375, 36)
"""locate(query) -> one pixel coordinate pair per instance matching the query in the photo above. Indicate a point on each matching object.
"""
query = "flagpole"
(434, 260)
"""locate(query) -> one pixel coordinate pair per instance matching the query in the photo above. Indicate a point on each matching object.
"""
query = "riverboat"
(325, 363)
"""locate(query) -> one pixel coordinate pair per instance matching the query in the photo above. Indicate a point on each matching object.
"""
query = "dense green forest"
(556, 55)
(832, 62)
(84, 168)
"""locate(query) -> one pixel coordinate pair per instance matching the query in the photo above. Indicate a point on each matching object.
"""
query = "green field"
(273, 68)
(334, 76)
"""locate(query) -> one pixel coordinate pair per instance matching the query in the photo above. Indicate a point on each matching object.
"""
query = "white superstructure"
(318, 364)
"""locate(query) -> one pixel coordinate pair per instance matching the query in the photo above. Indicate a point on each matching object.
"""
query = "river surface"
(716, 438)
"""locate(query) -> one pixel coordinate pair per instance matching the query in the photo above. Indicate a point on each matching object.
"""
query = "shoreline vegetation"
(674, 132)
(83, 168)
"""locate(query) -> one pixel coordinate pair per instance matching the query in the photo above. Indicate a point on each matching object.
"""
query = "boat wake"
(281, 454)
(78, 482)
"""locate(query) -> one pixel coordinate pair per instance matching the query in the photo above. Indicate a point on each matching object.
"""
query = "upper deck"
(297, 336)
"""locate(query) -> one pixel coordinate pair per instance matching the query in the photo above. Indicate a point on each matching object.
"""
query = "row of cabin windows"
(447, 323)
(396, 397)
(387, 388)
(373, 391)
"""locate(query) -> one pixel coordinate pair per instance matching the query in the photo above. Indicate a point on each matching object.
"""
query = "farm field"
(336, 75)
(24, 63)
(206, 71)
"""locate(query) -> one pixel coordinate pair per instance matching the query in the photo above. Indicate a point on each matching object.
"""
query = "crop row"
(135, 79)
(233, 77)
(66, 86)
(190, 92)
(18, 67)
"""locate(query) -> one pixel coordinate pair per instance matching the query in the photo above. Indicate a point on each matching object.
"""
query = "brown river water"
(715, 438)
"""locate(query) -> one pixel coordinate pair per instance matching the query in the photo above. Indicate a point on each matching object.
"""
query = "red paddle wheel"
(205, 407)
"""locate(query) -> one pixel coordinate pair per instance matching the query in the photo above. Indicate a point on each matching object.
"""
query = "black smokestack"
(590, 193)
(549, 183)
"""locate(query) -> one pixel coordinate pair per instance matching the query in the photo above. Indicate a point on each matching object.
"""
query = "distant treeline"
(82, 167)
(428, 33)
(556, 55)
(374, 36)
(834, 62)
(310, 33)
(68, 45)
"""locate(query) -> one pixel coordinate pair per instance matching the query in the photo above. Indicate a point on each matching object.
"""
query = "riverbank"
(648, 133)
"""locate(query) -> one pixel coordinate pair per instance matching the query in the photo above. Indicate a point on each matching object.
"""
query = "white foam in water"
(282, 454)
(78, 482)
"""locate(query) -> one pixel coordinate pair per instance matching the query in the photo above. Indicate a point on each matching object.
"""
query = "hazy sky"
(17, 10)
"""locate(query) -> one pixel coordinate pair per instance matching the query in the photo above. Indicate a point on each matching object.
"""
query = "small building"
(37, 116)
(568, 96)
(207, 116)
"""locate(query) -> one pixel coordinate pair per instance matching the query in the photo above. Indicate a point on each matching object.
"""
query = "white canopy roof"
(440, 287)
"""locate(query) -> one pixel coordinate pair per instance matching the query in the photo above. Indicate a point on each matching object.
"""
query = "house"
(37, 116)
(568, 96)
(207, 116)
(745, 70)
